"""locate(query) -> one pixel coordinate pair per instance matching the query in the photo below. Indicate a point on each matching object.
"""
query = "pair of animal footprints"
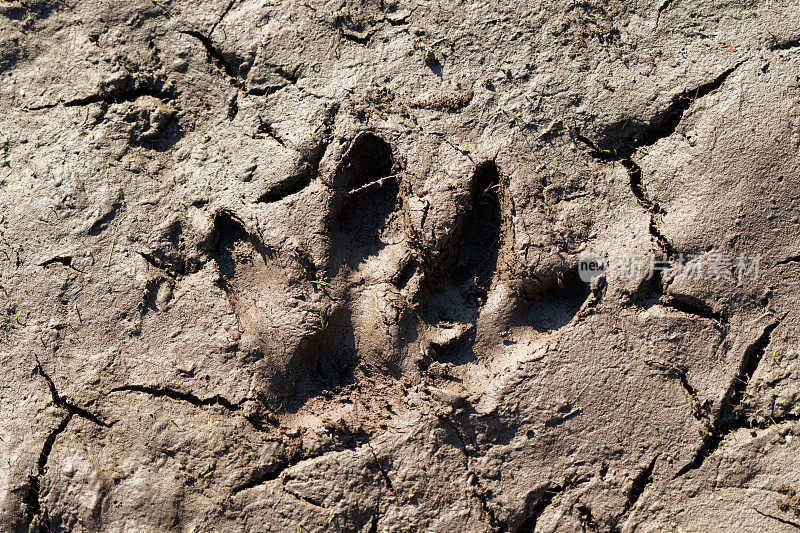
(365, 311)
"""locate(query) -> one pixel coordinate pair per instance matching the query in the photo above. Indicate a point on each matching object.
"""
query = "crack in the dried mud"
(789, 260)
(786, 44)
(694, 307)
(481, 494)
(302, 498)
(382, 470)
(655, 211)
(181, 396)
(730, 415)
(217, 58)
(637, 488)
(699, 409)
(637, 189)
(543, 501)
(666, 122)
(640, 483)
(65, 260)
(72, 409)
(661, 9)
(663, 125)
(266, 128)
(294, 460)
(33, 503)
(221, 17)
(777, 518)
(263, 478)
(112, 97)
(373, 528)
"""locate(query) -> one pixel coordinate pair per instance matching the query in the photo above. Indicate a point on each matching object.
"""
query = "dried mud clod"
(790, 501)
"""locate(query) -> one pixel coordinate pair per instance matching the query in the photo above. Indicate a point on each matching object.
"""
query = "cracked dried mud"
(286, 265)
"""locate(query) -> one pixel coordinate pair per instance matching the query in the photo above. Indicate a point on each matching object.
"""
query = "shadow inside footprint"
(461, 281)
(267, 301)
(480, 236)
(367, 194)
(238, 255)
(553, 305)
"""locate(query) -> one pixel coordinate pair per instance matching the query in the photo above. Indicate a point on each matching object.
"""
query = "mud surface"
(285, 265)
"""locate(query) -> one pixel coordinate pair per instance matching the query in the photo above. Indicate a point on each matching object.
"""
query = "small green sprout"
(623, 126)
(301, 525)
(337, 461)
(206, 471)
(323, 283)
(322, 321)
(331, 516)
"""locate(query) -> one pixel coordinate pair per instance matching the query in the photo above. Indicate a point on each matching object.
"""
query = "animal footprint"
(462, 276)
(369, 249)
(366, 195)
(269, 296)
